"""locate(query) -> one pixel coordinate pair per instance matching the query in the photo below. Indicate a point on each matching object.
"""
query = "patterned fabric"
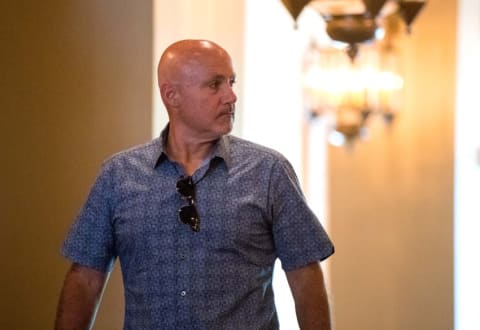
(251, 211)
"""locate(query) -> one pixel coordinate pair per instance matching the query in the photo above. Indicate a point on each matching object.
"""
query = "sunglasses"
(188, 214)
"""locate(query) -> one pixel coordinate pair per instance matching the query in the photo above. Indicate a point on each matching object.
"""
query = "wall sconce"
(359, 73)
(349, 92)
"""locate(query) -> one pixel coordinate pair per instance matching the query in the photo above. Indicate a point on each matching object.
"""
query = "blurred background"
(397, 193)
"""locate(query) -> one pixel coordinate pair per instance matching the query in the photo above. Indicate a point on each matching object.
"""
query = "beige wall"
(75, 87)
(391, 199)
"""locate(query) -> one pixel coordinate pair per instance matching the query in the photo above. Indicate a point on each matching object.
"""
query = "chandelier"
(358, 74)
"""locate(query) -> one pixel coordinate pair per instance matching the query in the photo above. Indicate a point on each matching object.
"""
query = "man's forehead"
(228, 75)
(213, 67)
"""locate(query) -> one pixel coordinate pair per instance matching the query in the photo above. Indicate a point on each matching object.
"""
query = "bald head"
(181, 56)
(196, 81)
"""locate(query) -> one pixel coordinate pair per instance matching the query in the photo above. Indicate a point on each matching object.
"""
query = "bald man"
(197, 218)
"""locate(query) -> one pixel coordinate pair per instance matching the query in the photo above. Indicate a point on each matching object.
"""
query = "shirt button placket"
(183, 278)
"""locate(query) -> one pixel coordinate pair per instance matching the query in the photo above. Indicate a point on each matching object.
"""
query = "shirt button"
(183, 256)
(183, 293)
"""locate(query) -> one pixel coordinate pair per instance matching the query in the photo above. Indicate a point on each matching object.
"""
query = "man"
(197, 218)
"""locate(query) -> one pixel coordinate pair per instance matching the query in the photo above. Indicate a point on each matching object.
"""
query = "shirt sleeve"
(299, 237)
(89, 241)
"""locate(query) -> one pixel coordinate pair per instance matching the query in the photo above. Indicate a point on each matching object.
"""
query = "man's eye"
(215, 84)
(232, 81)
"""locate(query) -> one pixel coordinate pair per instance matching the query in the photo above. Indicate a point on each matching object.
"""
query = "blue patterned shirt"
(251, 210)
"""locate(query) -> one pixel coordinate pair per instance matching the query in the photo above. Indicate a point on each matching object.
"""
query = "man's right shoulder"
(140, 154)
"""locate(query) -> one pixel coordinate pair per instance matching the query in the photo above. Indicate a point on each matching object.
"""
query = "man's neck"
(190, 153)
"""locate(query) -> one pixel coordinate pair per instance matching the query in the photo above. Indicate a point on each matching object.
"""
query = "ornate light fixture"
(358, 74)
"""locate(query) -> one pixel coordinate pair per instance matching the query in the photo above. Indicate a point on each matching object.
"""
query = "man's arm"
(79, 299)
(310, 296)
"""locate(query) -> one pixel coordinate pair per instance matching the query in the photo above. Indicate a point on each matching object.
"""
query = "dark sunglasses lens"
(185, 187)
(188, 215)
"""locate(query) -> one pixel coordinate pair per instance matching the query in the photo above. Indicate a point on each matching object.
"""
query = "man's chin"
(228, 126)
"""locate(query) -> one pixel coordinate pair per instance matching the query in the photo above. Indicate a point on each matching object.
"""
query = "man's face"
(206, 96)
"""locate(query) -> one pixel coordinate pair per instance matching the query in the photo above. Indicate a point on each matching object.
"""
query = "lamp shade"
(373, 7)
(295, 7)
(351, 28)
(409, 9)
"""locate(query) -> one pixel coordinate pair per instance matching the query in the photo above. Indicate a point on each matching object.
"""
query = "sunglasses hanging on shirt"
(188, 214)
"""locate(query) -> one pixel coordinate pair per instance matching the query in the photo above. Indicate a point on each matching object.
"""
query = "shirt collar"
(222, 149)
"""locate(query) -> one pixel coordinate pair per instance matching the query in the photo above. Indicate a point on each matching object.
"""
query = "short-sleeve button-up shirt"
(251, 209)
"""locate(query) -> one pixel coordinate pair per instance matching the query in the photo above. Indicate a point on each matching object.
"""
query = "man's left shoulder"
(245, 148)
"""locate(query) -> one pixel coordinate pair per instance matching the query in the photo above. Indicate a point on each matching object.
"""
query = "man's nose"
(230, 96)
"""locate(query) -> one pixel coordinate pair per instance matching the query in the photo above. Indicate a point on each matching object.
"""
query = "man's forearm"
(310, 295)
(79, 299)
(314, 313)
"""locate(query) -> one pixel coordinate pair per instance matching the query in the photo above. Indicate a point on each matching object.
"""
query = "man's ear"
(169, 94)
